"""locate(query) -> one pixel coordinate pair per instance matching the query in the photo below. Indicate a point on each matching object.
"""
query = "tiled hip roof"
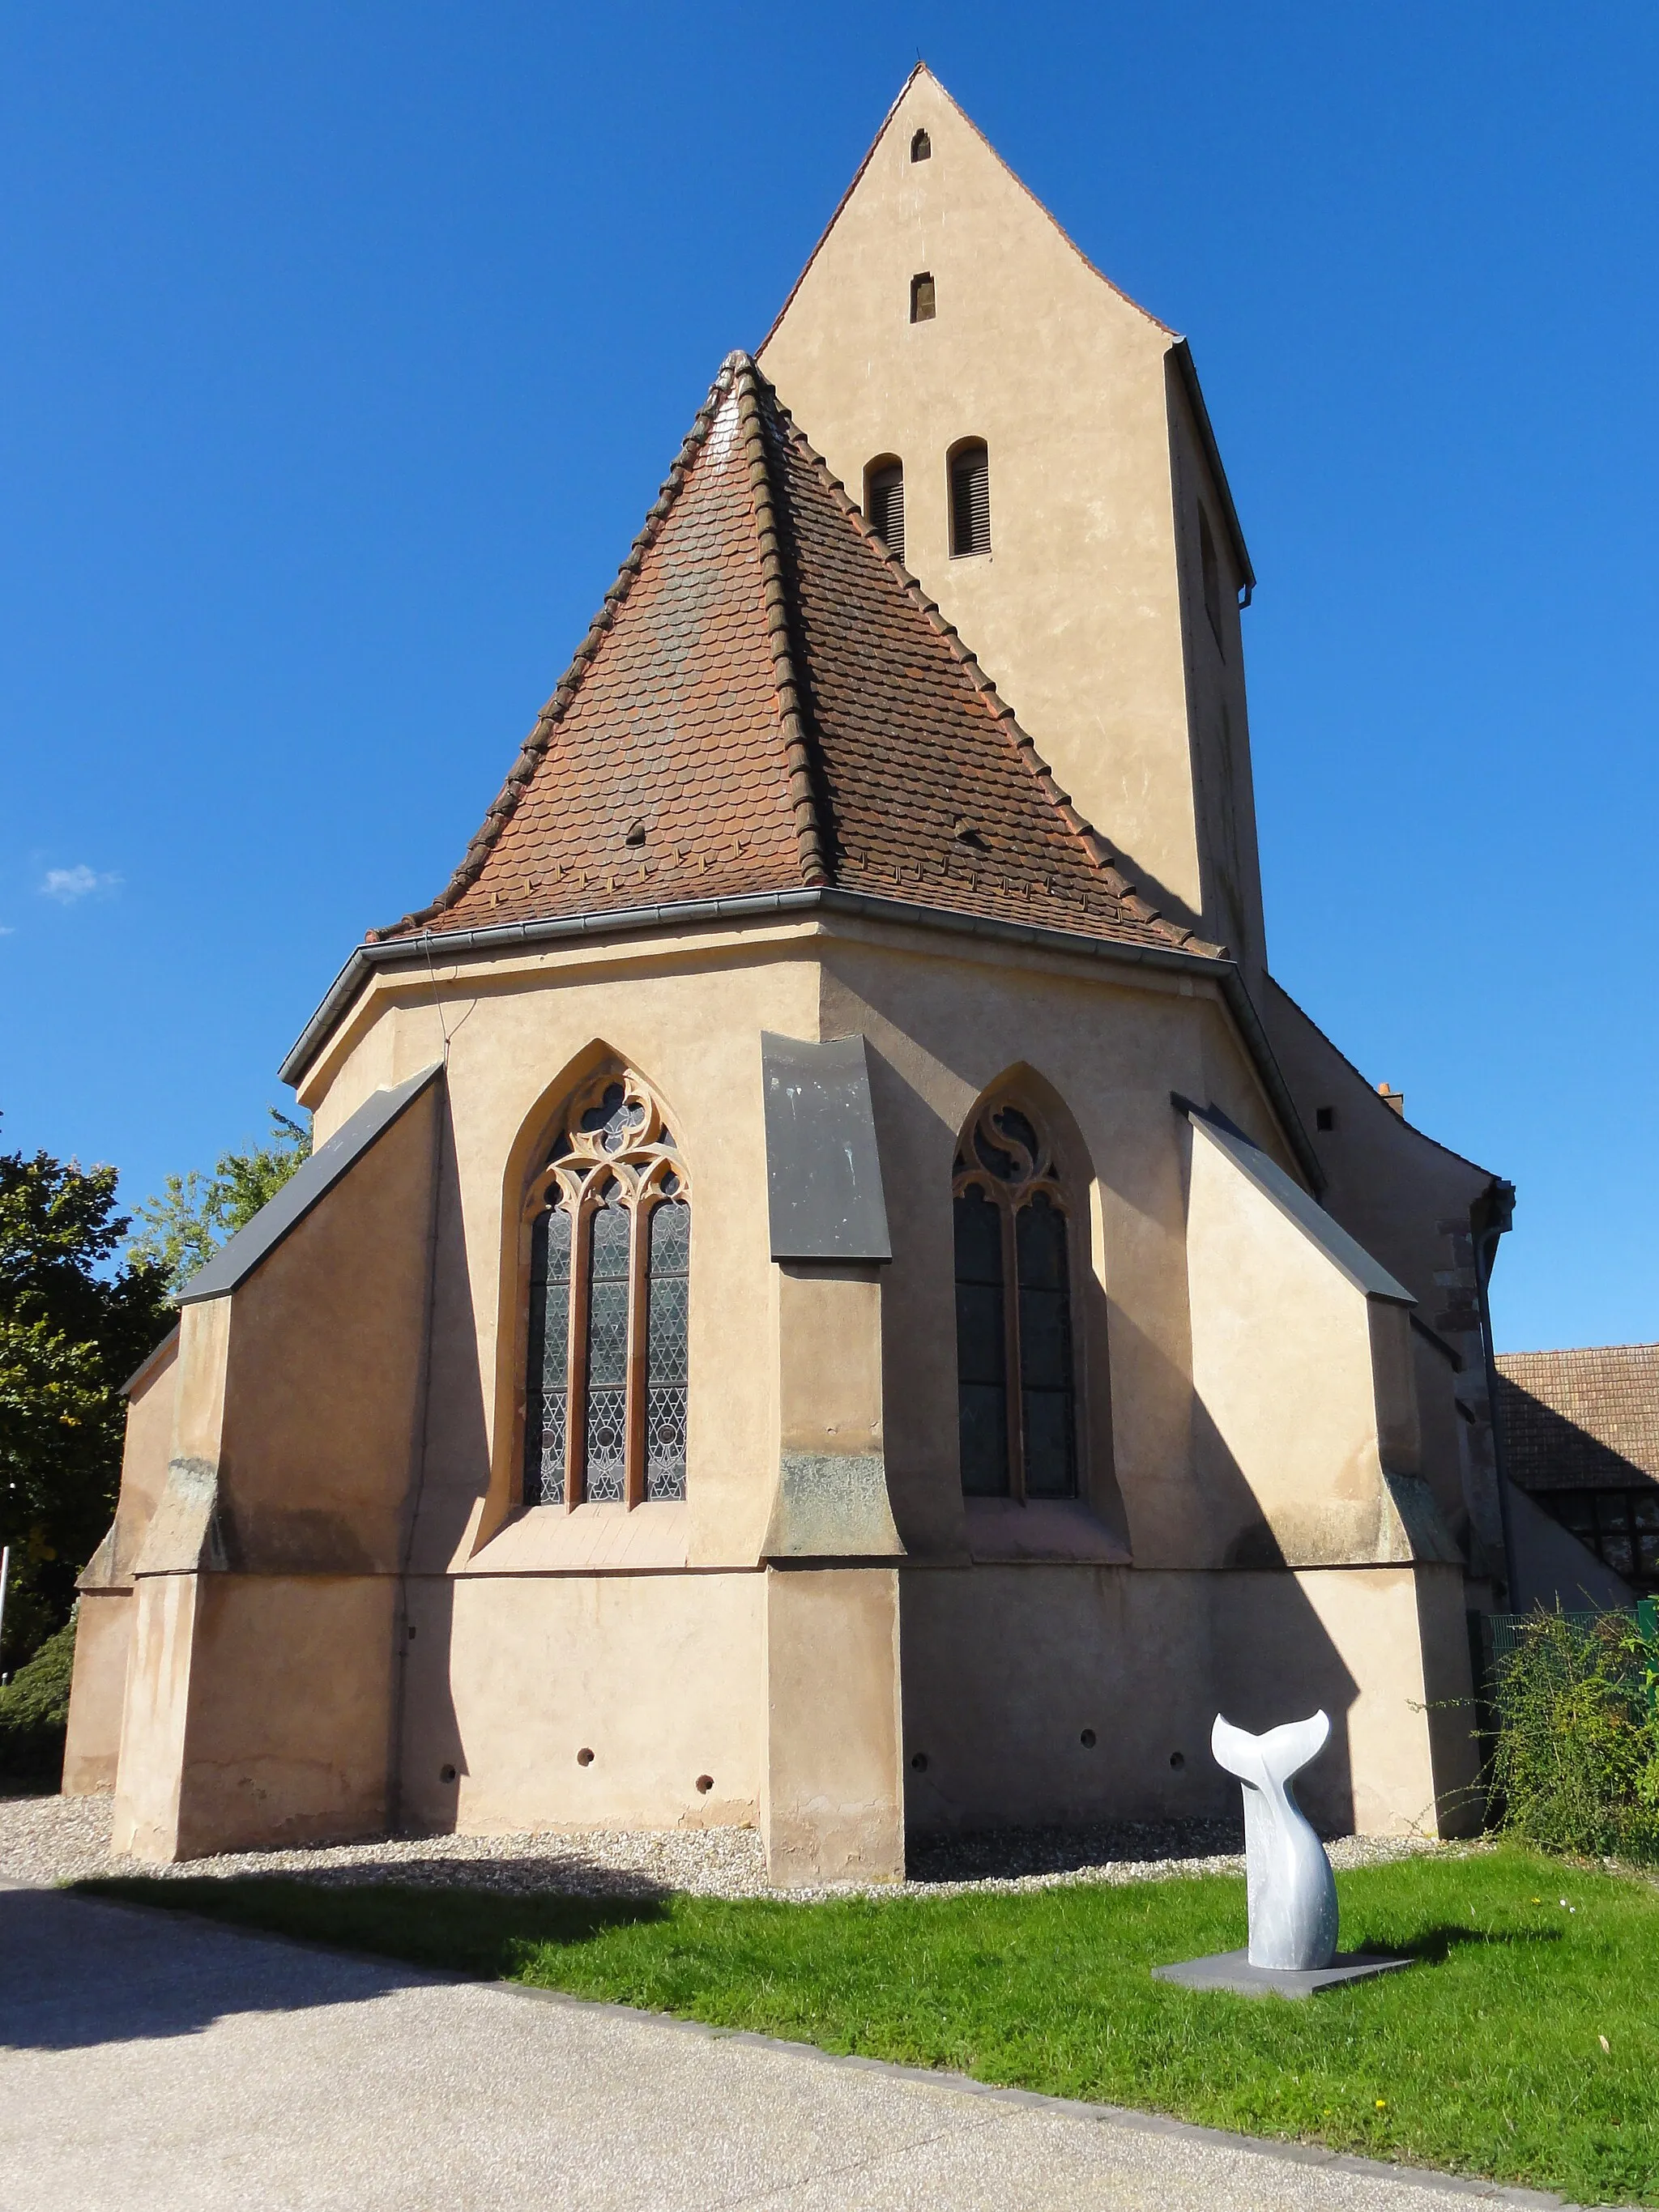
(767, 699)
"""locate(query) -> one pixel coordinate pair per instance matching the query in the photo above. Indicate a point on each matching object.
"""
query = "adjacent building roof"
(768, 701)
(1585, 1419)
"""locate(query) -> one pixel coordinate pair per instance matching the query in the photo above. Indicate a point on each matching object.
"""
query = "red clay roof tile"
(770, 698)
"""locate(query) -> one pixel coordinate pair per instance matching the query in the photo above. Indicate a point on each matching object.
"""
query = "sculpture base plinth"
(1232, 1971)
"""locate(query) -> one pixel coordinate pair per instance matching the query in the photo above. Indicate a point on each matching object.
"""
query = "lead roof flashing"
(311, 1182)
(1346, 1253)
(1183, 361)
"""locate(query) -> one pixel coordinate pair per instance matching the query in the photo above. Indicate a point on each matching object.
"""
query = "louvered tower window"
(970, 500)
(883, 503)
(609, 1238)
(1015, 1395)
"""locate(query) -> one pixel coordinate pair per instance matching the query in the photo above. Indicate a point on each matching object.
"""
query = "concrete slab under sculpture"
(1290, 1889)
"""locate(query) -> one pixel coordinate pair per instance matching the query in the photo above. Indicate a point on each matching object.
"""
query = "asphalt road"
(152, 2061)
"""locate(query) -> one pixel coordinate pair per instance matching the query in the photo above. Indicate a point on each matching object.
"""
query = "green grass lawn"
(1488, 2058)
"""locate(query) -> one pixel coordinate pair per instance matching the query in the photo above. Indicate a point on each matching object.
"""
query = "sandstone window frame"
(618, 1431)
(1005, 1157)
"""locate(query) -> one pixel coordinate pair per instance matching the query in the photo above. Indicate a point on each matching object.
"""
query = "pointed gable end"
(768, 701)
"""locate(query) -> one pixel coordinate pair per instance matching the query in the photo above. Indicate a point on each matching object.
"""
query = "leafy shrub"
(35, 1710)
(1576, 1755)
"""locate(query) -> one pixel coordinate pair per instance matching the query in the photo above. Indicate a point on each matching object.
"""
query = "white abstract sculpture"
(1292, 1890)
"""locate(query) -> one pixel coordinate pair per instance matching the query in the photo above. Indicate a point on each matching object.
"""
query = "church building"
(835, 1293)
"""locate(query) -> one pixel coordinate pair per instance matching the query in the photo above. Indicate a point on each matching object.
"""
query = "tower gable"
(1085, 595)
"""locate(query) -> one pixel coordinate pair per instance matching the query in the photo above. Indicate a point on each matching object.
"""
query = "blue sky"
(342, 348)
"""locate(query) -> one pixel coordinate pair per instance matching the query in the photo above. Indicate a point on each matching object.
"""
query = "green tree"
(74, 1323)
(195, 1213)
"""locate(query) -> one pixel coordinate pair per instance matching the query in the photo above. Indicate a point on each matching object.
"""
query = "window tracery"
(610, 1216)
(1017, 1399)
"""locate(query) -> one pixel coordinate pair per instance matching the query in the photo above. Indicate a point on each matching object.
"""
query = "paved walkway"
(148, 2061)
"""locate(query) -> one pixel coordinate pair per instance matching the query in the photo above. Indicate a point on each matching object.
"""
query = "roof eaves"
(535, 746)
(757, 906)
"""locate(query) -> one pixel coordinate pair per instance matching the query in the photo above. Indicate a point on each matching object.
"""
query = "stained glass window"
(604, 1447)
(670, 1277)
(547, 1399)
(1014, 1328)
(610, 1224)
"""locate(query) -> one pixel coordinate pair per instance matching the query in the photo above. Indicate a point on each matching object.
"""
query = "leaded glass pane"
(981, 1381)
(547, 1393)
(606, 1442)
(670, 1229)
(1045, 1349)
(615, 1118)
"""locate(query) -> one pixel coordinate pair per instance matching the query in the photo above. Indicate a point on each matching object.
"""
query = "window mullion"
(1011, 1353)
(575, 1427)
(639, 1253)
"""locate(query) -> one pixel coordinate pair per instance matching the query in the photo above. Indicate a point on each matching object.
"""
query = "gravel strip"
(48, 1839)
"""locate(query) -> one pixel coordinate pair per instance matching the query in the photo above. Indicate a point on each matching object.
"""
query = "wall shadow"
(85, 1968)
(452, 1473)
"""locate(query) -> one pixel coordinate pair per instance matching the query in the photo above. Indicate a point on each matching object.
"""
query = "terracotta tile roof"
(1583, 1420)
(767, 699)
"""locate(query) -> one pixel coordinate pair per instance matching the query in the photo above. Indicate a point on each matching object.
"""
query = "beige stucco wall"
(654, 1639)
(1080, 612)
(833, 1803)
(104, 1626)
(92, 1743)
(1006, 1668)
(510, 1676)
(1302, 1386)
(1408, 1200)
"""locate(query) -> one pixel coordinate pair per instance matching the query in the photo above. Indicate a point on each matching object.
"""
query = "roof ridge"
(1098, 849)
(506, 802)
(791, 722)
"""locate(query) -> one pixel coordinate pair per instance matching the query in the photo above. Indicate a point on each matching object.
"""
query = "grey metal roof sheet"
(1343, 1251)
(235, 1261)
(822, 1167)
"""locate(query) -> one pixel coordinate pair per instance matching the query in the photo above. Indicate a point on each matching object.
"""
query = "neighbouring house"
(1581, 1445)
(834, 1292)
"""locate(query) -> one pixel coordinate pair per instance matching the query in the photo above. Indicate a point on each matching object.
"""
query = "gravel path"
(48, 1839)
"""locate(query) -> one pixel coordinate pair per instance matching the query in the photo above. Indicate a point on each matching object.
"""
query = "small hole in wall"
(1177, 1760)
(1087, 1739)
(584, 1757)
(445, 1774)
(919, 1760)
(705, 1783)
(1325, 1118)
(411, 1632)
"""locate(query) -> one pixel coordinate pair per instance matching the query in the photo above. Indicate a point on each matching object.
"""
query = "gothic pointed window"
(610, 1219)
(1015, 1394)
